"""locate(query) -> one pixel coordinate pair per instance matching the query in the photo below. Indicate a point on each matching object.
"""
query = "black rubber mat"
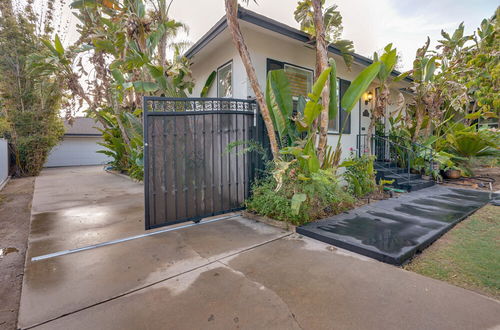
(393, 230)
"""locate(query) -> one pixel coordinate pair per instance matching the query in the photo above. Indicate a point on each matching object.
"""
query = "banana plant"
(208, 84)
(297, 132)
(388, 61)
(291, 128)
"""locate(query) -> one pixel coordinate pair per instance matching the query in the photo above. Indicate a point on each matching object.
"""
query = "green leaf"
(359, 86)
(208, 84)
(281, 89)
(402, 76)
(140, 8)
(333, 107)
(312, 161)
(58, 46)
(79, 4)
(277, 89)
(49, 45)
(297, 200)
(388, 59)
(118, 76)
(144, 86)
(311, 111)
(319, 85)
(301, 104)
(156, 71)
(104, 45)
(429, 69)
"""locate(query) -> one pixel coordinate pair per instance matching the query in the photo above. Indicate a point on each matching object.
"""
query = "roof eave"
(275, 26)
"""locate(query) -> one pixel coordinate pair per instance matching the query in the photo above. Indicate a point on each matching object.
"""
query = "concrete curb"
(123, 176)
(275, 223)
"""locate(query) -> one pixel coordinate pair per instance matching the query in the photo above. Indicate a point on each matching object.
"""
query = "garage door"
(75, 151)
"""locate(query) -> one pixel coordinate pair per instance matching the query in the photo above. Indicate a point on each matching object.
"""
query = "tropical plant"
(298, 131)
(125, 43)
(324, 27)
(231, 7)
(388, 61)
(298, 163)
(300, 201)
(359, 174)
(127, 158)
(29, 103)
(332, 25)
(208, 84)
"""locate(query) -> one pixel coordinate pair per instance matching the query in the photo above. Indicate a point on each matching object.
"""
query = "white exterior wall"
(4, 161)
(263, 44)
(77, 151)
(213, 58)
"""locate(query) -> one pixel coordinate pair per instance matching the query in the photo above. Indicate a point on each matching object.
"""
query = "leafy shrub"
(297, 200)
(360, 175)
(125, 157)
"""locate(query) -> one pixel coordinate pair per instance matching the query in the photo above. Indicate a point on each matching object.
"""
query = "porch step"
(402, 176)
(390, 171)
(414, 185)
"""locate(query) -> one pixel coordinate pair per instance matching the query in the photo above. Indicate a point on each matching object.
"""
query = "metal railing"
(394, 153)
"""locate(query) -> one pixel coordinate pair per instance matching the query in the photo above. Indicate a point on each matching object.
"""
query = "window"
(301, 80)
(225, 80)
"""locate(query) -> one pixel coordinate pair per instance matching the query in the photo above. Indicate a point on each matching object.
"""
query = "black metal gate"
(189, 173)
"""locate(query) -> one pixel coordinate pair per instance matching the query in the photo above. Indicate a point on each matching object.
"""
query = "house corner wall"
(210, 60)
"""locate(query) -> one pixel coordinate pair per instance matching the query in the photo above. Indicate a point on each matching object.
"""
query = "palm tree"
(239, 43)
(325, 27)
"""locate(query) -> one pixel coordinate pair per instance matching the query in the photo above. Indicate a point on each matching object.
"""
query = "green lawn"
(467, 256)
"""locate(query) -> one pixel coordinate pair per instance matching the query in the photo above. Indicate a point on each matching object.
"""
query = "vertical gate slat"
(189, 174)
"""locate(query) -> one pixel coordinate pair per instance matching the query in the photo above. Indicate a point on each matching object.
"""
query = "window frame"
(223, 66)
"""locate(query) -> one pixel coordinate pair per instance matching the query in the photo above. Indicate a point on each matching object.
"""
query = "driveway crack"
(159, 281)
(260, 285)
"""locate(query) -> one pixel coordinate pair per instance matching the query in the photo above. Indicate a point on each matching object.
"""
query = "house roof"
(82, 126)
(272, 25)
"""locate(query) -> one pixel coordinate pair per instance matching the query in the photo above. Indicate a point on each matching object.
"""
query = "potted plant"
(452, 172)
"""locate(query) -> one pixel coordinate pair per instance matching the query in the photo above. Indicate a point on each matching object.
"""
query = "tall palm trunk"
(420, 110)
(321, 65)
(239, 42)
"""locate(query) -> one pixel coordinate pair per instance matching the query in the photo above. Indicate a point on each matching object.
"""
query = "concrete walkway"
(234, 273)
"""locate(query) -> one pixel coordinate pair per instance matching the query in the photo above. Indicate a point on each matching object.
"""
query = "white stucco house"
(79, 145)
(273, 45)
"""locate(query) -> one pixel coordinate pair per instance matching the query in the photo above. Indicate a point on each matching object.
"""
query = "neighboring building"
(273, 45)
(4, 162)
(79, 145)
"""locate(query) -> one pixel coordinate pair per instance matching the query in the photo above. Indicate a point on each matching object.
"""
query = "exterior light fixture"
(368, 97)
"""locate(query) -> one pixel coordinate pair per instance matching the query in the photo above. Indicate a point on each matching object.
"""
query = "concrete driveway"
(233, 273)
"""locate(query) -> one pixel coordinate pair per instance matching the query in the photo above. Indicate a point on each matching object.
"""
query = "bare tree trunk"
(239, 42)
(162, 44)
(321, 65)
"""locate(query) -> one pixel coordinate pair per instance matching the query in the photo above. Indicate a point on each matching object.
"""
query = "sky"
(371, 24)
